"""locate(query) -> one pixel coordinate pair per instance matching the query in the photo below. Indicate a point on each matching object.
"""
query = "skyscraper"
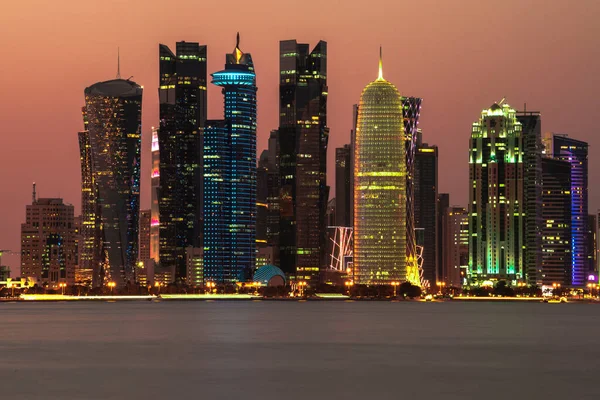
(303, 136)
(556, 230)
(154, 209)
(267, 203)
(182, 97)
(48, 250)
(532, 183)
(455, 246)
(230, 175)
(576, 153)
(592, 245)
(411, 111)
(380, 187)
(90, 252)
(425, 185)
(343, 185)
(145, 237)
(496, 197)
(443, 207)
(111, 152)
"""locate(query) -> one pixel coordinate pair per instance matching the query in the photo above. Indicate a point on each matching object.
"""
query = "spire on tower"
(380, 78)
(33, 195)
(118, 63)
(237, 52)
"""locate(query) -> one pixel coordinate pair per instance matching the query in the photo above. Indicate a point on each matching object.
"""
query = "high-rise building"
(576, 153)
(303, 136)
(90, 246)
(496, 197)
(145, 238)
(195, 267)
(154, 209)
(425, 186)
(380, 188)
(532, 182)
(443, 205)
(411, 111)
(556, 230)
(262, 194)
(48, 250)
(267, 200)
(591, 245)
(352, 142)
(455, 246)
(343, 185)
(111, 151)
(182, 97)
(230, 175)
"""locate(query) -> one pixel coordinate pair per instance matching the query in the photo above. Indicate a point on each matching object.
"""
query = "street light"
(111, 285)
(62, 286)
(349, 285)
(440, 285)
(302, 285)
(211, 286)
(395, 284)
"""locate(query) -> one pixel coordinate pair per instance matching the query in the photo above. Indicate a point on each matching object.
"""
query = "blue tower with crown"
(229, 208)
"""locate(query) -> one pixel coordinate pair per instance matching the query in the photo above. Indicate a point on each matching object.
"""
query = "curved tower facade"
(380, 187)
(113, 112)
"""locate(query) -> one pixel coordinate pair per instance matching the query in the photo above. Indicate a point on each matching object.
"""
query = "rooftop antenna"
(237, 41)
(380, 78)
(33, 195)
(118, 63)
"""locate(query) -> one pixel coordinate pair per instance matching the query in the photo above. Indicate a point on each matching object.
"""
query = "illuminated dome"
(380, 186)
(269, 275)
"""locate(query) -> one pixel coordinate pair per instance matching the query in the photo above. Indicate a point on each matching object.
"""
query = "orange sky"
(459, 55)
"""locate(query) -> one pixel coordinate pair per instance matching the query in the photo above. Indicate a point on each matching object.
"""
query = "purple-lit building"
(576, 153)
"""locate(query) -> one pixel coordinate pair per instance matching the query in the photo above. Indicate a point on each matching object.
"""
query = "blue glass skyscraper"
(576, 153)
(230, 175)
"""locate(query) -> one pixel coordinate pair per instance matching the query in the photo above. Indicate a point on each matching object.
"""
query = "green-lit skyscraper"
(380, 187)
(496, 197)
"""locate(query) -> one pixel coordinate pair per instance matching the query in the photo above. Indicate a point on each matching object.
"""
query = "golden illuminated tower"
(380, 188)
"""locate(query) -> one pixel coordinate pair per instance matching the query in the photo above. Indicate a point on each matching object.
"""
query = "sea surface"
(299, 350)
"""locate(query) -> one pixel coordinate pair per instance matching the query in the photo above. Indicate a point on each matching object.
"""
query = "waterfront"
(298, 350)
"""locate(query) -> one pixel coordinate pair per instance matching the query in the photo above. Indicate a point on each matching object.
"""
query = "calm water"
(281, 350)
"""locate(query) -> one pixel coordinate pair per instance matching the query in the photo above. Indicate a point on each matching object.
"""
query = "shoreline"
(240, 297)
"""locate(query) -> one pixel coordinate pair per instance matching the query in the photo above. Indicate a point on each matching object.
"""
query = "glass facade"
(496, 197)
(576, 153)
(411, 110)
(182, 97)
(532, 181)
(89, 245)
(380, 188)
(113, 115)
(303, 137)
(556, 231)
(343, 185)
(154, 210)
(230, 175)
(425, 187)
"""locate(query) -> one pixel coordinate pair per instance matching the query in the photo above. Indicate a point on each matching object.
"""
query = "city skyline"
(57, 172)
